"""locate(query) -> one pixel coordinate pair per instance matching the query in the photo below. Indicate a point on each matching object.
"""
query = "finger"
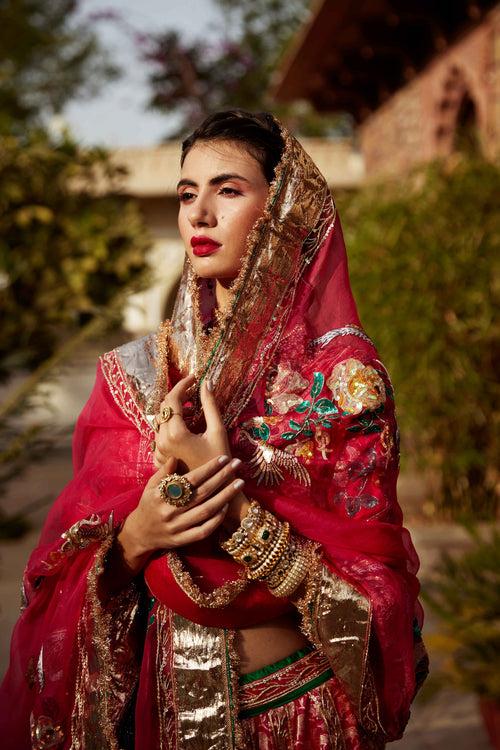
(160, 456)
(205, 471)
(177, 395)
(161, 451)
(166, 468)
(223, 477)
(194, 517)
(197, 533)
(210, 409)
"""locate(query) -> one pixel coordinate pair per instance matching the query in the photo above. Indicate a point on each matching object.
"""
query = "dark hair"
(258, 132)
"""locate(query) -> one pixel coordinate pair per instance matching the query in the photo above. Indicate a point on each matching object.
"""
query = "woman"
(244, 580)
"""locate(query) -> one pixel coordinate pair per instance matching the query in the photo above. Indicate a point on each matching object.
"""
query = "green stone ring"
(176, 490)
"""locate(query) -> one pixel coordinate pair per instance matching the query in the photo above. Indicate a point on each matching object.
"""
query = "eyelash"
(186, 195)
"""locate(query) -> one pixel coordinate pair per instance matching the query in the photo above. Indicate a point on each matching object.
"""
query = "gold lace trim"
(216, 599)
(121, 392)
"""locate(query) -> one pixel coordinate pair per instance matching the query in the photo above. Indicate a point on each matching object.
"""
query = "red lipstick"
(204, 245)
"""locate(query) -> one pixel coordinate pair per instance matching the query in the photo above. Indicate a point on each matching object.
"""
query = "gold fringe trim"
(232, 675)
(307, 603)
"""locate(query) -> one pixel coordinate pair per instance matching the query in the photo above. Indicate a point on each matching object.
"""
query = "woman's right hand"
(156, 524)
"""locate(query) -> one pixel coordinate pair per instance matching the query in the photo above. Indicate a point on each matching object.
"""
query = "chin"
(213, 268)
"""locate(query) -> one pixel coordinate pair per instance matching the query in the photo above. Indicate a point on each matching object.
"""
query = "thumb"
(210, 409)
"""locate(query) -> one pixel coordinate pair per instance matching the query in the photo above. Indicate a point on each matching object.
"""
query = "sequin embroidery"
(356, 387)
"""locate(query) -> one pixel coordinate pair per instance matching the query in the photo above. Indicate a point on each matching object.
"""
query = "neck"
(222, 293)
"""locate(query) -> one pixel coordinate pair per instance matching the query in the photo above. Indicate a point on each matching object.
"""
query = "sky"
(117, 117)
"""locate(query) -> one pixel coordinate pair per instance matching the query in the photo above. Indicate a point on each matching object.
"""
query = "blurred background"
(398, 102)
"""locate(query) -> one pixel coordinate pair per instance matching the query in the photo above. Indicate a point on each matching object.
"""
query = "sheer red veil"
(292, 369)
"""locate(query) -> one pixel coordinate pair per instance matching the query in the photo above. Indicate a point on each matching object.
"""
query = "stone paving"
(449, 721)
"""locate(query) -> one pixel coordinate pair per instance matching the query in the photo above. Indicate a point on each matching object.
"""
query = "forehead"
(205, 160)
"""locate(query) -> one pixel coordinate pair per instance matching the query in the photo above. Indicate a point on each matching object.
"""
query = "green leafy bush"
(424, 253)
(465, 593)
(49, 56)
(68, 243)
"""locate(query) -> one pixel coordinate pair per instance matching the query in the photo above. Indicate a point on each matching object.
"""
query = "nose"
(201, 213)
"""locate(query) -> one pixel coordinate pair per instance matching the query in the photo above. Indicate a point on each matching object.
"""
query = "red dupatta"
(309, 408)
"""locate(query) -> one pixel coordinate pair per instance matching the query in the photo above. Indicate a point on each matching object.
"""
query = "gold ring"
(176, 490)
(165, 414)
(152, 446)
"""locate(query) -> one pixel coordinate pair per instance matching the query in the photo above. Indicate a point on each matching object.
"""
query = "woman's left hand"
(175, 439)
(192, 449)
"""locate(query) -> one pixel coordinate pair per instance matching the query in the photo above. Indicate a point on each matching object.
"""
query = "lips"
(204, 246)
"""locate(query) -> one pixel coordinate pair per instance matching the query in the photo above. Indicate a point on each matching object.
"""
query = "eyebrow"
(214, 180)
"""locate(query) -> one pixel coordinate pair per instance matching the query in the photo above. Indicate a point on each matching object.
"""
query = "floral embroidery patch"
(314, 412)
(357, 390)
(356, 387)
(282, 393)
(354, 503)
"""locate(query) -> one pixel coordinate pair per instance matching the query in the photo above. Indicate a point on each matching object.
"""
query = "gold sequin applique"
(356, 387)
(80, 535)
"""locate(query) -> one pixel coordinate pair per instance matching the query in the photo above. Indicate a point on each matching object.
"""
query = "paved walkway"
(449, 721)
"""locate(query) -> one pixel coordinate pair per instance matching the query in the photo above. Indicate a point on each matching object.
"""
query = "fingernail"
(210, 386)
(223, 459)
(239, 483)
(224, 509)
(235, 463)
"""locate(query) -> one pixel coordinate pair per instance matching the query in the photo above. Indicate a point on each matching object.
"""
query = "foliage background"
(464, 592)
(69, 241)
(65, 251)
(424, 253)
(71, 245)
(236, 67)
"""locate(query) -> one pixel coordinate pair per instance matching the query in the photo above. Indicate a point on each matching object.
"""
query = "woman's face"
(222, 193)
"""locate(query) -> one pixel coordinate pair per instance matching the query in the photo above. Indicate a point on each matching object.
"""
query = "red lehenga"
(309, 408)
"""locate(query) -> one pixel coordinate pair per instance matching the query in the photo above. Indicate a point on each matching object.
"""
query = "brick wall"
(418, 123)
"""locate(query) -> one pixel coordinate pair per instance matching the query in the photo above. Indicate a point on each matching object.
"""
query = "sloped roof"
(352, 56)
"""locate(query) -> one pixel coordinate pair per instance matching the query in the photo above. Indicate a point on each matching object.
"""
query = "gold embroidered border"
(106, 670)
(341, 619)
(165, 703)
(216, 599)
(306, 602)
(231, 669)
(122, 393)
(202, 687)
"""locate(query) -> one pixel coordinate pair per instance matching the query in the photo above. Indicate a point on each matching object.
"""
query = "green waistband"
(244, 679)
(247, 713)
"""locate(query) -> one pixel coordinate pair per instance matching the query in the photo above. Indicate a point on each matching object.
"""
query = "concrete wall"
(146, 310)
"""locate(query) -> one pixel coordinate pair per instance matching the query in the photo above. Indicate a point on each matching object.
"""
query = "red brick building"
(420, 78)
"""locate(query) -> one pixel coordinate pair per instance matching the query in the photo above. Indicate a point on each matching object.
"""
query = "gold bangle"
(264, 567)
(259, 549)
(280, 572)
(259, 543)
(240, 537)
(257, 546)
(296, 575)
(256, 534)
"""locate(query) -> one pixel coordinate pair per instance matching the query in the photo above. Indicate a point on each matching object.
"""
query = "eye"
(186, 196)
(229, 191)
